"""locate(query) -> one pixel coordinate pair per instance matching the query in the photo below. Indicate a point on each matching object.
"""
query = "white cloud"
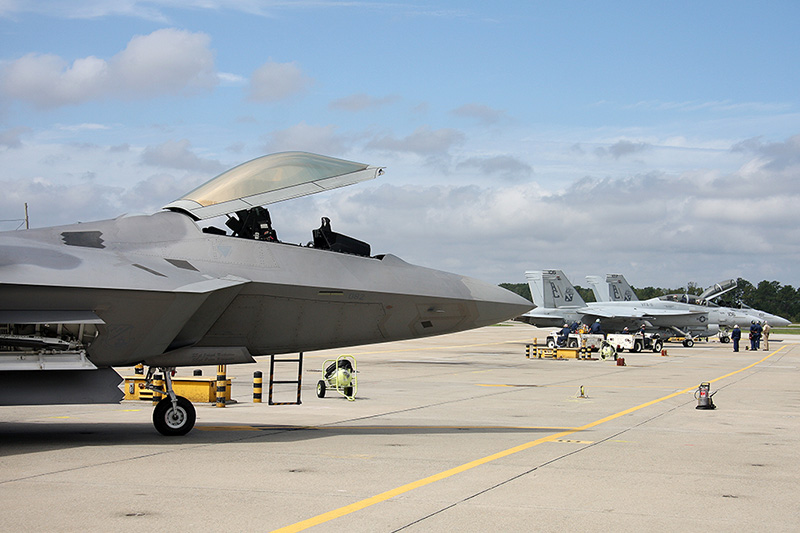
(178, 154)
(423, 141)
(622, 148)
(361, 102)
(167, 61)
(480, 112)
(11, 138)
(272, 82)
(507, 167)
(308, 138)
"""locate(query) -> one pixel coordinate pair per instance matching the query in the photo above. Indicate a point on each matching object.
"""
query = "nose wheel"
(174, 415)
(174, 420)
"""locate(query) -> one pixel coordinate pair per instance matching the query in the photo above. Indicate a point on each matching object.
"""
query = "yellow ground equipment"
(339, 374)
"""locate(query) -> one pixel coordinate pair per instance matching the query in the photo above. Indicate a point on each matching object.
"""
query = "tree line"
(769, 296)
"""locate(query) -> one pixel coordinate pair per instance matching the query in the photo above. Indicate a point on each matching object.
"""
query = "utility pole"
(27, 223)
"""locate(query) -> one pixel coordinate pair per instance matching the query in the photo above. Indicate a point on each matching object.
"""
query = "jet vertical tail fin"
(619, 290)
(551, 289)
(598, 288)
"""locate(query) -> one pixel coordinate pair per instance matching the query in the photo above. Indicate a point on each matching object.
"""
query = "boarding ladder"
(273, 381)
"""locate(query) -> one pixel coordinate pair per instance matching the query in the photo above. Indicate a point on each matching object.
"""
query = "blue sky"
(657, 141)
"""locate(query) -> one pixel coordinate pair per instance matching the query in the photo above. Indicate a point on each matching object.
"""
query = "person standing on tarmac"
(765, 333)
(753, 342)
(736, 334)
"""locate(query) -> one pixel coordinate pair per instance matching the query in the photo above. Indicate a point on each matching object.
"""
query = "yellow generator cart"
(339, 374)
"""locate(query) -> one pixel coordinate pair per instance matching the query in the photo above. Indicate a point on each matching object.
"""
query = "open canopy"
(270, 179)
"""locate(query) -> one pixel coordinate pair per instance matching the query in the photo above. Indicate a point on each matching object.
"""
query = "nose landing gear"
(174, 415)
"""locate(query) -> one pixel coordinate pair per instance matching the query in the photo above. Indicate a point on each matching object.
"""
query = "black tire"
(572, 343)
(348, 391)
(320, 389)
(688, 343)
(725, 340)
(658, 346)
(551, 343)
(637, 347)
(174, 422)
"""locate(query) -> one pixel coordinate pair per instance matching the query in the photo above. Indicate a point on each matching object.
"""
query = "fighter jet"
(616, 288)
(166, 290)
(557, 302)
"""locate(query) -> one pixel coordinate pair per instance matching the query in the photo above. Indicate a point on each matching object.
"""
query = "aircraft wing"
(635, 312)
(46, 316)
(269, 179)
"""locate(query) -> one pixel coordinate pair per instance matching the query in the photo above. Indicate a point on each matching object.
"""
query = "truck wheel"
(572, 343)
(551, 343)
(320, 389)
(657, 346)
(637, 347)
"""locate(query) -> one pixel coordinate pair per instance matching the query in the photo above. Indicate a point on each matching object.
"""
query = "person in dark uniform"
(736, 335)
(563, 335)
(753, 336)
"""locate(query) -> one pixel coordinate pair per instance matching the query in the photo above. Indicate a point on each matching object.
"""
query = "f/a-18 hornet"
(164, 291)
(557, 301)
(616, 289)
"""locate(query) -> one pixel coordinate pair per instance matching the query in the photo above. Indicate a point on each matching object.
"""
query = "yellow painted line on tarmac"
(408, 487)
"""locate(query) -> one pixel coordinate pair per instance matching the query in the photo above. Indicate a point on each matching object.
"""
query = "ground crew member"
(765, 332)
(736, 334)
(754, 334)
(563, 335)
(596, 329)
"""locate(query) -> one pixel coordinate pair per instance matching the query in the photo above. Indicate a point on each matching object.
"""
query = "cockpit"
(242, 193)
(256, 224)
(687, 299)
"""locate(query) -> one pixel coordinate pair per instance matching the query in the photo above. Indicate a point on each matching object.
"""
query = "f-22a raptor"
(165, 291)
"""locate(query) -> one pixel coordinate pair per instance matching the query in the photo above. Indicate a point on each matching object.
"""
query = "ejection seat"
(326, 239)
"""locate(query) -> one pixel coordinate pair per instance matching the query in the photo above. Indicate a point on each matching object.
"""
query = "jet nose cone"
(495, 304)
(779, 322)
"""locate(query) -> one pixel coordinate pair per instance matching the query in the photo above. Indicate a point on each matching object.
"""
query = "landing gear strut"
(174, 415)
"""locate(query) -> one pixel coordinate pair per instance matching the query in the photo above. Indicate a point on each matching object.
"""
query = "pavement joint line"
(359, 428)
(426, 349)
(408, 487)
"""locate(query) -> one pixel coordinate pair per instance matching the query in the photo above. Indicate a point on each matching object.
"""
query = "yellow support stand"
(258, 386)
(221, 385)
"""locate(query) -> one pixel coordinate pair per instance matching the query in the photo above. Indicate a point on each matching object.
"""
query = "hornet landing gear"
(174, 415)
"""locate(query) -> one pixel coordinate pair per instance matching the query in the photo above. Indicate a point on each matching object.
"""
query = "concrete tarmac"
(454, 433)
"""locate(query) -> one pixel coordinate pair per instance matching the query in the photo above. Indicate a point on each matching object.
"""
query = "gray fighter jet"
(616, 289)
(557, 302)
(166, 291)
